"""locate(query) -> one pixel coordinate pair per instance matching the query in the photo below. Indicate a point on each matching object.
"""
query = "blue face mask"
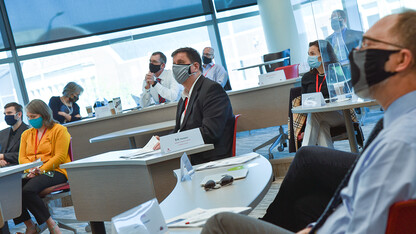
(36, 123)
(313, 61)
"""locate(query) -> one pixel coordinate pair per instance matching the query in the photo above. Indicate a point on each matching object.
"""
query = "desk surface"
(145, 129)
(334, 106)
(249, 191)
(5, 171)
(112, 158)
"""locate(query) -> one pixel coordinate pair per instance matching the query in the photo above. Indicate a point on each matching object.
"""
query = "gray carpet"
(246, 141)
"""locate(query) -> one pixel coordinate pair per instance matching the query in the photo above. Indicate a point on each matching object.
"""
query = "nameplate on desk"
(145, 218)
(102, 111)
(181, 140)
(313, 100)
(272, 77)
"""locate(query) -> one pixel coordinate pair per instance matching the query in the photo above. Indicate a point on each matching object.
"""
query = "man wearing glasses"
(384, 68)
(214, 71)
(158, 85)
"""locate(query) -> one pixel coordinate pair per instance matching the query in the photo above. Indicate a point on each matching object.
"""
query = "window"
(7, 90)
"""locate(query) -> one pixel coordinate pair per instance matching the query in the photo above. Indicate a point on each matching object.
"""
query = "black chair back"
(274, 56)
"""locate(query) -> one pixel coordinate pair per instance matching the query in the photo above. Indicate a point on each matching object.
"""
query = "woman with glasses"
(47, 141)
(64, 108)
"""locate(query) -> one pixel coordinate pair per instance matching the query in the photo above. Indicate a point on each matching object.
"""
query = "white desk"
(131, 132)
(345, 107)
(11, 190)
(189, 195)
(106, 185)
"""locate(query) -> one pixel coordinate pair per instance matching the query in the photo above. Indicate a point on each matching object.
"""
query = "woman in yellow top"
(49, 142)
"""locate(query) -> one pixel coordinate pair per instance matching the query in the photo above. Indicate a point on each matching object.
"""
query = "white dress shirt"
(216, 73)
(168, 89)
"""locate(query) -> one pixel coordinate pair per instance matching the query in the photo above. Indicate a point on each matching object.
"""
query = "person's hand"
(1, 156)
(157, 145)
(33, 172)
(305, 231)
(3, 163)
(149, 78)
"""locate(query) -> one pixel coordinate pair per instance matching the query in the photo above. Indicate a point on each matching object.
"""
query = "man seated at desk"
(204, 105)
(10, 137)
(214, 71)
(158, 85)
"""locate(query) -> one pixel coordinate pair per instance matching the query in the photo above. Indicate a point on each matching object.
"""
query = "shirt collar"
(188, 95)
(400, 106)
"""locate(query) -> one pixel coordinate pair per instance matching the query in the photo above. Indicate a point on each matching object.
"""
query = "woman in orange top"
(49, 142)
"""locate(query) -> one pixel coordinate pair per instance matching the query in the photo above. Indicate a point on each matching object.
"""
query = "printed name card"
(181, 140)
(313, 99)
(146, 218)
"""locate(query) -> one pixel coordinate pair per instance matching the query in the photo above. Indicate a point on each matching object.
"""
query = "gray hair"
(72, 88)
(39, 107)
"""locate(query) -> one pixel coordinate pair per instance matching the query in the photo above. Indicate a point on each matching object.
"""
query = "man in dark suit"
(204, 105)
(10, 137)
(343, 37)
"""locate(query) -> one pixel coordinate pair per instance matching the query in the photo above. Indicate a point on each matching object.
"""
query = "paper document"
(147, 150)
(198, 216)
(228, 161)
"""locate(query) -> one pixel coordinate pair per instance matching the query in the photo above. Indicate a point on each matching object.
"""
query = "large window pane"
(50, 20)
(116, 70)
(7, 91)
(244, 44)
(223, 5)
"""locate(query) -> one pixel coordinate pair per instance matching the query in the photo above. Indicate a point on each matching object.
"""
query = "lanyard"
(320, 86)
(36, 142)
(208, 70)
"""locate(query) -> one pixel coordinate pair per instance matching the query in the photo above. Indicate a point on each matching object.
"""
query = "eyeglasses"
(207, 55)
(225, 180)
(366, 42)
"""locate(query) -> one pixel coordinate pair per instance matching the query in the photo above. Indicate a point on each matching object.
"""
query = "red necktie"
(186, 104)
(161, 99)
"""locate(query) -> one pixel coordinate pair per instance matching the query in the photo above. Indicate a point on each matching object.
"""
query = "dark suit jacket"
(11, 154)
(209, 109)
(351, 38)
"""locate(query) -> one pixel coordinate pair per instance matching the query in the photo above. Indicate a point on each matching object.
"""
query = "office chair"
(402, 218)
(57, 192)
(291, 71)
(235, 134)
(274, 56)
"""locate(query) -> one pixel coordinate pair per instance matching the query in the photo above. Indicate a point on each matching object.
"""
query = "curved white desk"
(249, 191)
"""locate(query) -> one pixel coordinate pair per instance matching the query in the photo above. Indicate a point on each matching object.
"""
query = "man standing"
(214, 71)
(10, 137)
(158, 85)
(343, 40)
(204, 105)
(384, 68)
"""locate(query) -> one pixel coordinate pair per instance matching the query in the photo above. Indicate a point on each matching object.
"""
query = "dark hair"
(38, 106)
(405, 31)
(191, 53)
(341, 13)
(17, 106)
(328, 55)
(162, 56)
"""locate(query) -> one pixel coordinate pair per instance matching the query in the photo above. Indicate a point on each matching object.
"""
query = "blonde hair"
(39, 107)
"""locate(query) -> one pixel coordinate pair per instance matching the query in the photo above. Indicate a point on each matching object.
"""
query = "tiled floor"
(246, 141)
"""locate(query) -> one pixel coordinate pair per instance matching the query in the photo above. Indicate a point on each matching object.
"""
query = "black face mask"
(154, 68)
(337, 24)
(73, 99)
(206, 60)
(367, 69)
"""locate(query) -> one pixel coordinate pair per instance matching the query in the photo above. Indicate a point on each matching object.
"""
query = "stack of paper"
(198, 216)
(228, 161)
(147, 150)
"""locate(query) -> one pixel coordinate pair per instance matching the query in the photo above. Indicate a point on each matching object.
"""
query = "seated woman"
(318, 125)
(49, 142)
(64, 108)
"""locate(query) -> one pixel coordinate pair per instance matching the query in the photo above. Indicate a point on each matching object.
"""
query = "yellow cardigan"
(52, 149)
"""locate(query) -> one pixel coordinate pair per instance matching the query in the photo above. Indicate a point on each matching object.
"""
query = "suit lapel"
(16, 139)
(194, 95)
